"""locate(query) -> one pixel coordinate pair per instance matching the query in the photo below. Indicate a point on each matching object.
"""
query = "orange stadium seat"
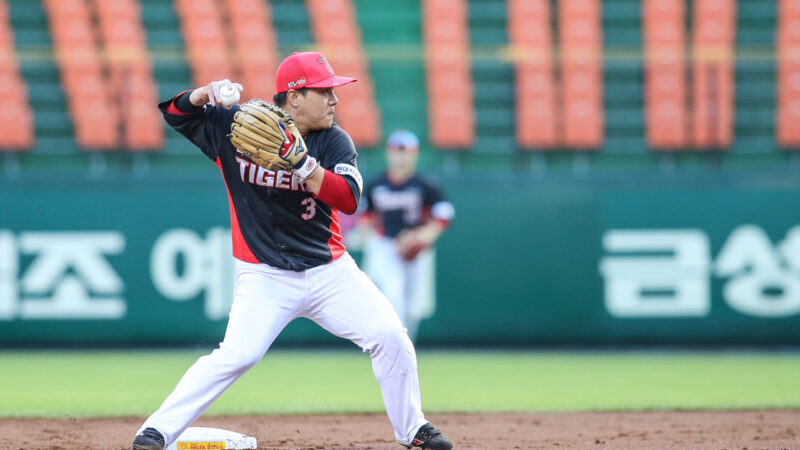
(6, 34)
(451, 111)
(336, 30)
(12, 89)
(788, 101)
(130, 72)
(16, 126)
(6, 38)
(529, 35)
(713, 41)
(206, 42)
(141, 125)
(256, 46)
(117, 9)
(16, 118)
(665, 81)
(80, 63)
(580, 24)
(95, 127)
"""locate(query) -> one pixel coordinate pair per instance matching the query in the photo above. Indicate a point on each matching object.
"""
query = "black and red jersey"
(275, 219)
(397, 206)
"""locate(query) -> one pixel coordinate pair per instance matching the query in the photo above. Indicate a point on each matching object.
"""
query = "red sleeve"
(335, 191)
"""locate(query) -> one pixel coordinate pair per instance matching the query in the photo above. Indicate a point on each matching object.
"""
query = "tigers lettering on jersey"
(281, 179)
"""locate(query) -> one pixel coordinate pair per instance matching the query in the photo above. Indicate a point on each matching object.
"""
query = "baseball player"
(409, 214)
(289, 170)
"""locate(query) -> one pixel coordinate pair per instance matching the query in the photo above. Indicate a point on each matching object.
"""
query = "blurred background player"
(408, 213)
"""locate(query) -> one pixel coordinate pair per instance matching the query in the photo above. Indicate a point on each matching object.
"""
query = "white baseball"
(229, 95)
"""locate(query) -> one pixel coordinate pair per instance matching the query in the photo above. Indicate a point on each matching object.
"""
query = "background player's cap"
(307, 69)
(403, 140)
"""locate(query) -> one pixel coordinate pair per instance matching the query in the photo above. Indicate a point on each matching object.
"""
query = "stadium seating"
(447, 58)
(580, 35)
(130, 73)
(507, 100)
(492, 74)
(665, 69)
(204, 33)
(534, 87)
(94, 113)
(712, 73)
(255, 45)
(16, 118)
(337, 33)
(788, 42)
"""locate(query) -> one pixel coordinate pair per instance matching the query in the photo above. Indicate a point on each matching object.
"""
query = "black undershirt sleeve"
(184, 105)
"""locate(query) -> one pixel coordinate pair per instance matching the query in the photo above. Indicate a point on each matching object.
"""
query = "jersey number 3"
(311, 208)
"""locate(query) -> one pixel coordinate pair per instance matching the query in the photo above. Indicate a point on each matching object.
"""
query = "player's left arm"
(441, 213)
(339, 183)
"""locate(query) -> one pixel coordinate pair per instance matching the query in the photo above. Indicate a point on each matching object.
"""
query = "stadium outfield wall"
(527, 262)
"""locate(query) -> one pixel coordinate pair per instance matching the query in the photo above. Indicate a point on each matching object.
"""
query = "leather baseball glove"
(410, 243)
(268, 136)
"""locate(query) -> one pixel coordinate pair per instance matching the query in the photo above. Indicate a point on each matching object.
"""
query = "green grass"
(133, 383)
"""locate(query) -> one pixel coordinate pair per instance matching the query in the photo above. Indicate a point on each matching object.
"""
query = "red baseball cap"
(307, 69)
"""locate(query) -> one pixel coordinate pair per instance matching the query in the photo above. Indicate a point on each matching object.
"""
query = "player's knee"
(393, 353)
(397, 335)
(236, 359)
(380, 332)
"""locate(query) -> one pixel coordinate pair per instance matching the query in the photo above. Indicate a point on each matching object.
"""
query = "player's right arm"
(205, 126)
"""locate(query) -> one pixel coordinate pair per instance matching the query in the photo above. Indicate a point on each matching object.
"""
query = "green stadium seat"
(493, 80)
(761, 144)
(40, 70)
(623, 92)
(502, 144)
(31, 37)
(291, 22)
(56, 145)
(53, 123)
(624, 118)
(486, 11)
(46, 92)
(158, 12)
(754, 10)
(625, 11)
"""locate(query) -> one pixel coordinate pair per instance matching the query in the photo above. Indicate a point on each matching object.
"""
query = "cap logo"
(323, 60)
(299, 82)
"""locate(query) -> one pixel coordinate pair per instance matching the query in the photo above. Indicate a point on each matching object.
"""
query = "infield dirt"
(636, 430)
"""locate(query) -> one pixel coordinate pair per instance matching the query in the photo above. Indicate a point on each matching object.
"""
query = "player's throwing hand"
(212, 93)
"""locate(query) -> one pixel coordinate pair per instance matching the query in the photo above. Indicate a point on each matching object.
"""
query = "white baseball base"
(204, 438)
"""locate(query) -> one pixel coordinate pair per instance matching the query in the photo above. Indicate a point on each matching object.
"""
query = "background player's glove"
(268, 136)
(410, 243)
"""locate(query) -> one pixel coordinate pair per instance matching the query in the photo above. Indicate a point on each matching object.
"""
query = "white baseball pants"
(337, 296)
(408, 285)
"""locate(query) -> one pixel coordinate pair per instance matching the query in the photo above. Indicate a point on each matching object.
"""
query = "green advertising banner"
(525, 262)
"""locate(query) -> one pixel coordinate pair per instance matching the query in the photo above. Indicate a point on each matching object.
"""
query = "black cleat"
(150, 439)
(429, 437)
